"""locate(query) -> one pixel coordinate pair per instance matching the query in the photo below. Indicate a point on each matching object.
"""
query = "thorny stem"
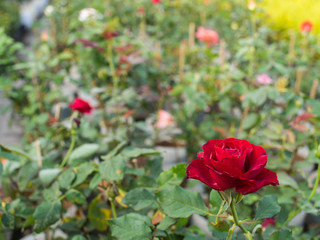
(247, 234)
(112, 68)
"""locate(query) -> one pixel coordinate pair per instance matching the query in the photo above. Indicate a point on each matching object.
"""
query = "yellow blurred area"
(289, 14)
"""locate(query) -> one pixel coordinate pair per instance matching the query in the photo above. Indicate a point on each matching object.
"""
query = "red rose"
(232, 163)
(306, 26)
(155, 1)
(268, 221)
(210, 37)
(81, 106)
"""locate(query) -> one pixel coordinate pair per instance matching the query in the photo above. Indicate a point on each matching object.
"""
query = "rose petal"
(265, 178)
(257, 159)
(197, 170)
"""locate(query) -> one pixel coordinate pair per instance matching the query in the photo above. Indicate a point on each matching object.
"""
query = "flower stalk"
(247, 234)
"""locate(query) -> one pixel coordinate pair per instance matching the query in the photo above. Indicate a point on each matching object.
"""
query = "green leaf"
(1, 168)
(139, 198)
(315, 105)
(282, 234)
(180, 203)
(268, 207)
(172, 176)
(258, 97)
(115, 150)
(78, 237)
(26, 173)
(65, 179)
(112, 169)
(48, 175)
(46, 214)
(131, 152)
(75, 196)
(286, 180)
(221, 226)
(131, 227)
(250, 121)
(13, 151)
(98, 216)
(166, 223)
(7, 220)
(83, 151)
(215, 200)
(52, 194)
(95, 181)
(82, 172)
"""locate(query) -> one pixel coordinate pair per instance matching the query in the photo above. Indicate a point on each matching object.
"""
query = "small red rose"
(306, 26)
(155, 1)
(268, 221)
(81, 106)
(232, 163)
(207, 36)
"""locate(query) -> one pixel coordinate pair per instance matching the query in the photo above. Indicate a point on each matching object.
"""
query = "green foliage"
(268, 207)
(180, 203)
(132, 227)
(46, 214)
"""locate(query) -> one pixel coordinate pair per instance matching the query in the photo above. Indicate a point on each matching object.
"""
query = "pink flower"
(44, 36)
(155, 1)
(210, 37)
(81, 106)
(141, 11)
(268, 221)
(165, 119)
(206, 2)
(306, 26)
(264, 79)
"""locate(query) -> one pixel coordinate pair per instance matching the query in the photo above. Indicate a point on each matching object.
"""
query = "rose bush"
(232, 163)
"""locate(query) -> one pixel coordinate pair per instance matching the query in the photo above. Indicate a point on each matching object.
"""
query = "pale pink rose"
(87, 13)
(44, 36)
(165, 119)
(210, 37)
(264, 79)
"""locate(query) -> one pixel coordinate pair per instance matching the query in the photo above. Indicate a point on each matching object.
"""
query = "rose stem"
(182, 51)
(230, 232)
(318, 176)
(298, 81)
(73, 141)
(192, 27)
(36, 85)
(313, 91)
(291, 48)
(222, 53)
(244, 115)
(236, 220)
(39, 155)
(113, 209)
(295, 213)
(110, 60)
